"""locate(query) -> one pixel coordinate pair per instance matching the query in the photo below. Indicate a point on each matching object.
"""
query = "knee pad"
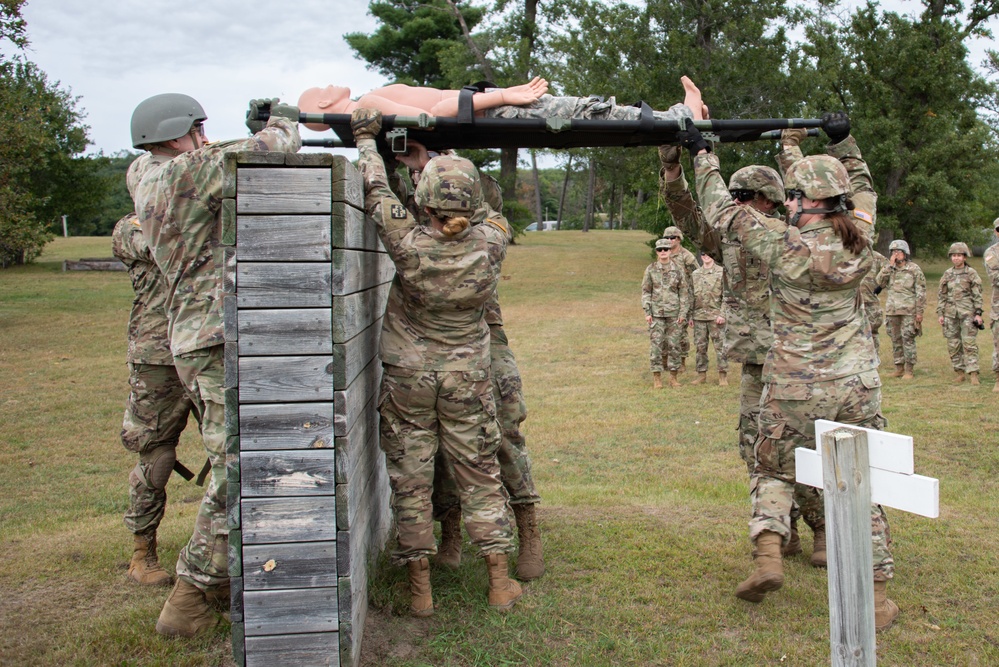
(157, 465)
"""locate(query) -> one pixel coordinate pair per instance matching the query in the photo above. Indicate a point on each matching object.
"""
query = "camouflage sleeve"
(884, 276)
(127, 242)
(687, 215)
(942, 293)
(788, 156)
(393, 219)
(992, 265)
(686, 298)
(865, 199)
(767, 239)
(976, 292)
(647, 291)
(920, 291)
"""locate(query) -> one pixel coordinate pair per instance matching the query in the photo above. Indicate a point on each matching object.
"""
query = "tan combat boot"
(769, 573)
(722, 379)
(907, 375)
(885, 611)
(530, 559)
(995, 389)
(219, 597)
(503, 591)
(657, 380)
(973, 377)
(449, 552)
(793, 546)
(419, 586)
(683, 364)
(673, 382)
(819, 548)
(145, 567)
(958, 376)
(899, 370)
(702, 377)
(186, 612)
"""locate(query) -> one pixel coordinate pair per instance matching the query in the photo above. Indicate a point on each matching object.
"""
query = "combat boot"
(657, 380)
(186, 612)
(722, 379)
(899, 370)
(503, 591)
(819, 548)
(973, 377)
(793, 546)
(958, 376)
(885, 611)
(702, 377)
(419, 586)
(683, 364)
(219, 597)
(673, 382)
(449, 552)
(995, 389)
(769, 573)
(145, 567)
(530, 559)
(907, 375)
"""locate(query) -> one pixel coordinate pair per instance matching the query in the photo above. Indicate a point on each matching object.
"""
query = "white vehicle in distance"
(546, 226)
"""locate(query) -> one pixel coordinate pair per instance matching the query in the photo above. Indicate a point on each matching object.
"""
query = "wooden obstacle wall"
(305, 282)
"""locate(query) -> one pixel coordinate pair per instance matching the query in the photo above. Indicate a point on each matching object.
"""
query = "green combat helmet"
(672, 231)
(818, 177)
(662, 244)
(959, 249)
(449, 184)
(758, 179)
(899, 244)
(164, 117)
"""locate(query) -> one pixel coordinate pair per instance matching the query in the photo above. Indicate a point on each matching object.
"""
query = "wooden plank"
(354, 448)
(298, 331)
(847, 485)
(229, 277)
(270, 520)
(356, 494)
(232, 518)
(305, 472)
(232, 445)
(309, 159)
(888, 451)
(347, 650)
(308, 565)
(354, 313)
(353, 356)
(357, 270)
(296, 611)
(281, 190)
(351, 229)
(230, 360)
(261, 158)
(298, 650)
(230, 318)
(284, 238)
(280, 379)
(286, 426)
(229, 176)
(343, 538)
(284, 285)
(238, 643)
(236, 599)
(349, 404)
(231, 411)
(347, 185)
(109, 264)
(227, 216)
(235, 554)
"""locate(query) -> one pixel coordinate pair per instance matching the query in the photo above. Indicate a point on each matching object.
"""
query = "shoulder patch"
(863, 215)
(397, 212)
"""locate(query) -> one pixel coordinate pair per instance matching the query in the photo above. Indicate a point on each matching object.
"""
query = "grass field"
(645, 497)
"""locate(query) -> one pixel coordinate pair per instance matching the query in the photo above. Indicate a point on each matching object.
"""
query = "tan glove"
(793, 136)
(366, 123)
(669, 156)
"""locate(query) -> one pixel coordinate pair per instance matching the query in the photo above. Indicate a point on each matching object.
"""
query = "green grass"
(645, 498)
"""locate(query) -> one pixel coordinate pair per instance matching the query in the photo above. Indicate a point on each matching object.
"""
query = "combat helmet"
(818, 177)
(959, 249)
(449, 184)
(995, 224)
(899, 244)
(672, 231)
(662, 244)
(758, 179)
(164, 117)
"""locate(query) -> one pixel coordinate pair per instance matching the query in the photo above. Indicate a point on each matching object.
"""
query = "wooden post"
(847, 486)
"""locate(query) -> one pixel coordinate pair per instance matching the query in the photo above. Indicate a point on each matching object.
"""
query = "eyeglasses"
(794, 194)
(198, 128)
(662, 249)
(671, 238)
(742, 195)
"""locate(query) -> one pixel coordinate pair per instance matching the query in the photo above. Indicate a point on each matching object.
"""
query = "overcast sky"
(115, 53)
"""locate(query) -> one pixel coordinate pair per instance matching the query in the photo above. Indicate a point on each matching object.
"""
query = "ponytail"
(454, 226)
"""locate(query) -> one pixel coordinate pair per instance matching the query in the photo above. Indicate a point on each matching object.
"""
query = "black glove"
(692, 140)
(836, 126)
(366, 123)
(253, 120)
(877, 290)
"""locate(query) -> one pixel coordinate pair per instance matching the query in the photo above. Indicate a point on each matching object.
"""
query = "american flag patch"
(863, 215)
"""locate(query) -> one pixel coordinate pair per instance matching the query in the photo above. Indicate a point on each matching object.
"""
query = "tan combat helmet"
(450, 184)
(758, 179)
(959, 248)
(899, 244)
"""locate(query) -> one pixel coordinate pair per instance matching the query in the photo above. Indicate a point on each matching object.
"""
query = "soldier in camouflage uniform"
(436, 391)
(667, 302)
(992, 270)
(178, 201)
(158, 406)
(869, 290)
(689, 262)
(906, 286)
(822, 364)
(959, 310)
(708, 319)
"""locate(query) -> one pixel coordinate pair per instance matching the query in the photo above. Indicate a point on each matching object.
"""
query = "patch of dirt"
(389, 637)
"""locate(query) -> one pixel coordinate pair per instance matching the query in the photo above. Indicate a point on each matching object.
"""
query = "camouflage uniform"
(906, 287)
(436, 391)
(666, 297)
(992, 270)
(707, 286)
(959, 300)
(690, 265)
(822, 364)
(178, 202)
(872, 302)
(158, 406)
(593, 107)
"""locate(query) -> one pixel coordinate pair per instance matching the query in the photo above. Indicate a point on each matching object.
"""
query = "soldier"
(436, 391)
(667, 302)
(158, 406)
(992, 270)
(906, 286)
(959, 310)
(178, 202)
(708, 319)
(822, 363)
(689, 262)
(870, 292)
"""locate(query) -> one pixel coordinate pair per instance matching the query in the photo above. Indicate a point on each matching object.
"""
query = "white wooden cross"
(855, 467)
